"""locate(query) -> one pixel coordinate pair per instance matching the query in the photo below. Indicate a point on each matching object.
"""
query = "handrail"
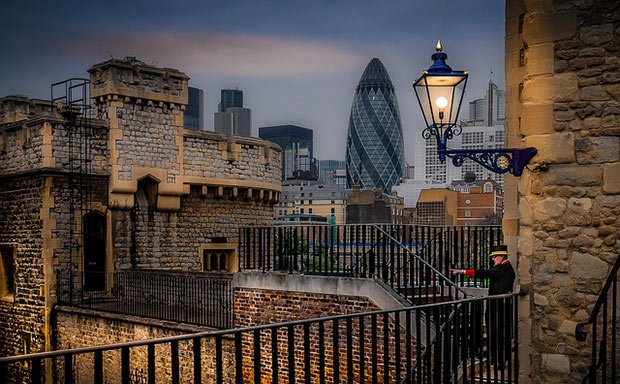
(580, 333)
(185, 337)
(599, 356)
(426, 263)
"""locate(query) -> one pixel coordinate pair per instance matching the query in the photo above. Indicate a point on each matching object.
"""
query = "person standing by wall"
(499, 312)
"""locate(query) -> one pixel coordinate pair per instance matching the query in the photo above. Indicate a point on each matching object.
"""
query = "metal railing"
(604, 322)
(184, 297)
(380, 346)
(413, 260)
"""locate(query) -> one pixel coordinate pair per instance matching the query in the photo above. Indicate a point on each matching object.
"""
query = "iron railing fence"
(605, 355)
(184, 297)
(409, 258)
(387, 346)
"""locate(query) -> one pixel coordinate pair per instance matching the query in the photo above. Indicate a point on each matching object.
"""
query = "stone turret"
(144, 105)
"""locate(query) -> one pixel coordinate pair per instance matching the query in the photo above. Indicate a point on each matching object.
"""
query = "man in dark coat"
(499, 313)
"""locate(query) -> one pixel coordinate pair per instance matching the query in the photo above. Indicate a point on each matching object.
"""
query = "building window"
(7, 270)
(467, 201)
(303, 194)
(301, 211)
(214, 261)
(310, 210)
(333, 210)
(333, 194)
(310, 194)
(488, 187)
(467, 213)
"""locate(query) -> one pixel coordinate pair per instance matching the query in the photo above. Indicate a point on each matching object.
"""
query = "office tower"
(194, 117)
(375, 153)
(231, 118)
(484, 128)
(297, 154)
(328, 171)
(230, 98)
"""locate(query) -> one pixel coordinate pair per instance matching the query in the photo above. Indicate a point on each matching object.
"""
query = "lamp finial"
(439, 47)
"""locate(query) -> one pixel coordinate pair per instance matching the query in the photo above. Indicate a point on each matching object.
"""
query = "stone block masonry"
(568, 226)
(158, 195)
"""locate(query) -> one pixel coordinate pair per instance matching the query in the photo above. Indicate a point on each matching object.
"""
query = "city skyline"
(297, 62)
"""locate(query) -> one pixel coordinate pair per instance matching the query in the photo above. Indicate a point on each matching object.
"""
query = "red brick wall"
(257, 307)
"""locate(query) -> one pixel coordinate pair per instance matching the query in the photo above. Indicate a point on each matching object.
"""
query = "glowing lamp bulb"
(441, 102)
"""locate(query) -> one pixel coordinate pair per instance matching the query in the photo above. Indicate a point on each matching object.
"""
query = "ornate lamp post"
(440, 92)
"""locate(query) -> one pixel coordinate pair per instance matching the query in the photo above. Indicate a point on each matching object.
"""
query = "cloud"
(205, 53)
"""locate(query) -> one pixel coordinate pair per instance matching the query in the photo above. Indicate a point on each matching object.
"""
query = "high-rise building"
(484, 128)
(328, 171)
(375, 150)
(297, 150)
(231, 118)
(194, 117)
(230, 98)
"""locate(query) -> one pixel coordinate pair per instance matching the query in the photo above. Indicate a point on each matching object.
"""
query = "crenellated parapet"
(144, 106)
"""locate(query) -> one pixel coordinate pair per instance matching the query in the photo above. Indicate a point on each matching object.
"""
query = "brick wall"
(257, 307)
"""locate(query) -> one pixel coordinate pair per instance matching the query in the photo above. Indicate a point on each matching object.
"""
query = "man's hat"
(499, 250)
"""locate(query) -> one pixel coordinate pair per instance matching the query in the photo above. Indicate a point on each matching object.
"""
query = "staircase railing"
(389, 252)
(604, 322)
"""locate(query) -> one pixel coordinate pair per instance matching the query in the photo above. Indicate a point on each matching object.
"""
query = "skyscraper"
(297, 154)
(375, 153)
(231, 118)
(230, 98)
(194, 117)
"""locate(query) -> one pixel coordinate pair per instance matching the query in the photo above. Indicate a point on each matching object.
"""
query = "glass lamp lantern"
(440, 92)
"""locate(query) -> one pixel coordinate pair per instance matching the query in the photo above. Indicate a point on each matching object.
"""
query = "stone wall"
(20, 225)
(20, 148)
(562, 97)
(203, 186)
(83, 328)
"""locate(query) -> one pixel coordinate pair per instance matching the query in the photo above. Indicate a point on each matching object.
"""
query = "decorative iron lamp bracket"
(499, 160)
(439, 92)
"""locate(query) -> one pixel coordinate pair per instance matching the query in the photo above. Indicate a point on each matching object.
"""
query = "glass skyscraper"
(375, 150)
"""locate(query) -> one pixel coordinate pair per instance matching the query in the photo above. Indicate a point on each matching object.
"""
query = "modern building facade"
(194, 116)
(301, 197)
(375, 150)
(231, 118)
(230, 98)
(484, 128)
(297, 150)
(330, 172)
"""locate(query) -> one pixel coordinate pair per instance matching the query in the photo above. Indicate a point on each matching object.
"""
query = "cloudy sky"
(297, 61)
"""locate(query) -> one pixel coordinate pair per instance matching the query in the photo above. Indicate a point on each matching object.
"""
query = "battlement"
(15, 108)
(133, 78)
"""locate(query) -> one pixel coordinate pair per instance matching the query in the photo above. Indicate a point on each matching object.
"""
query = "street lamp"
(440, 92)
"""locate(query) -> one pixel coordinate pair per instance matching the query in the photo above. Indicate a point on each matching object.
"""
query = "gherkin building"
(375, 154)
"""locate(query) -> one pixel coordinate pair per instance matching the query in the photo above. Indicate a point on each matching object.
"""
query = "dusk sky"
(296, 61)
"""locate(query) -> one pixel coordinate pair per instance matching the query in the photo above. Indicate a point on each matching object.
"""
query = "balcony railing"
(605, 333)
(193, 298)
(387, 346)
(413, 260)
